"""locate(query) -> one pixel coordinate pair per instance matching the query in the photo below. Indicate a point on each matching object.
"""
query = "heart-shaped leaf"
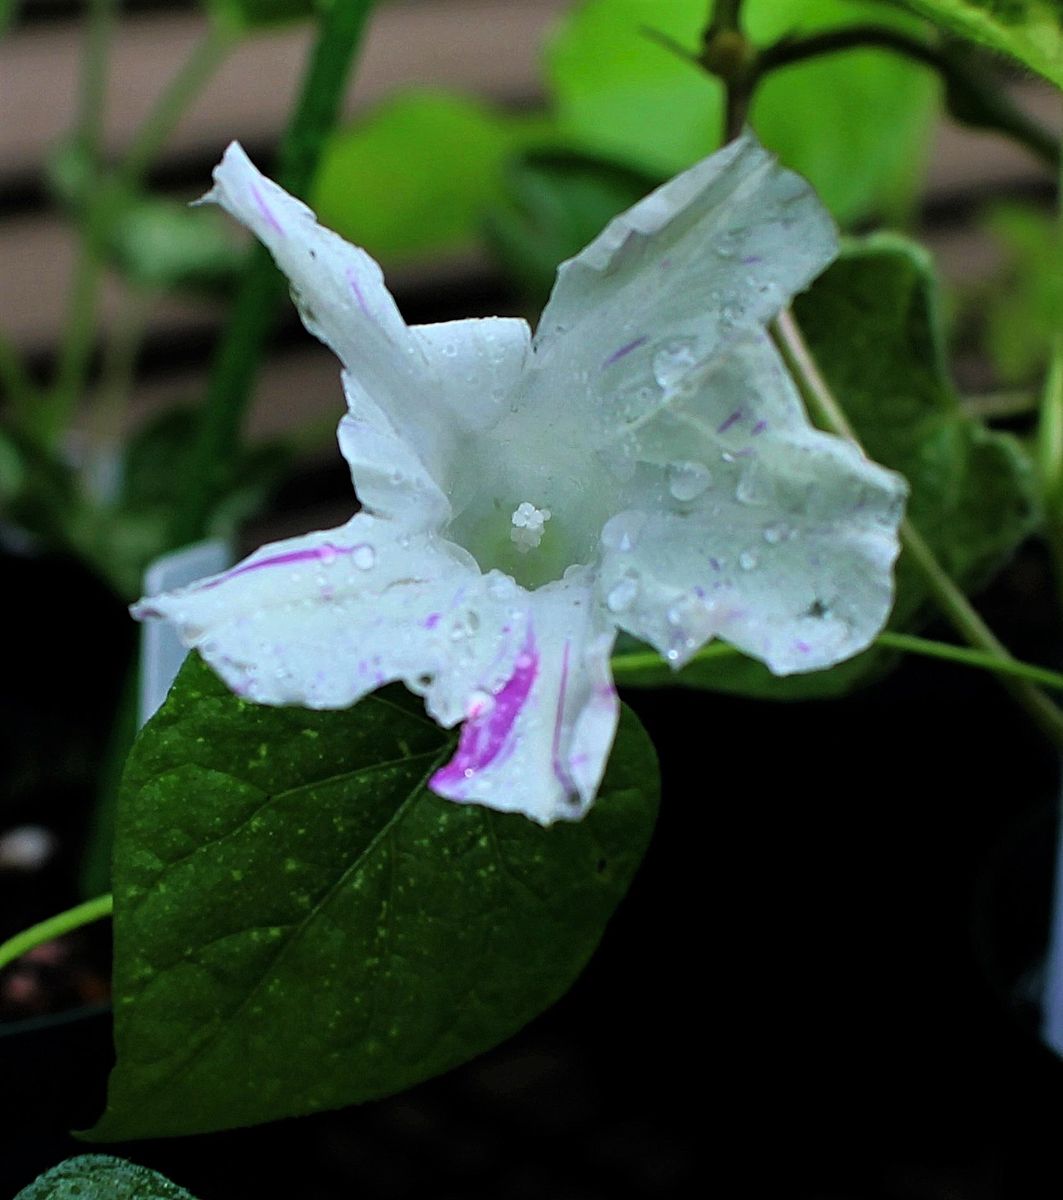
(300, 924)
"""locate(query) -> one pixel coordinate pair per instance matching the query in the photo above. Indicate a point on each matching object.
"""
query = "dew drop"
(747, 560)
(774, 534)
(622, 594)
(687, 480)
(326, 554)
(673, 360)
(622, 531)
(363, 556)
(479, 704)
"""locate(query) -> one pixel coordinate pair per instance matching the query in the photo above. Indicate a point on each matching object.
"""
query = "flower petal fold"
(427, 387)
(539, 743)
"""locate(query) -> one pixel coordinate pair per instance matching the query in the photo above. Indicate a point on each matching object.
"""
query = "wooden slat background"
(488, 47)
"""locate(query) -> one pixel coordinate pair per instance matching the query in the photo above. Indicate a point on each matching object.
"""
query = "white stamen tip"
(527, 526)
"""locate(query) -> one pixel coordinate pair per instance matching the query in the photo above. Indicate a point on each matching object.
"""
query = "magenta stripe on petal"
(617, 355)
(325, 553)
(486, 734)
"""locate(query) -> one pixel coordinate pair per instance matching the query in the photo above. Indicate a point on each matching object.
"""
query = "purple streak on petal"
(486, 735)
(325, 553)
(619, 354)
(802, 647)
(266, 211)
(715, 564)
(751, 260)
(431, 621)
(759, 428)
(733, 419)
(359, 295)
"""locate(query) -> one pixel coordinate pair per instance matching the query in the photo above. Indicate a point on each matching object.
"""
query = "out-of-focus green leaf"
(301, 924)
(1029, 30)
(158, 243)
(137, 527)
(855, 124)
(555, 203)
(417, 174)
(1023, 306)
(99, 1177)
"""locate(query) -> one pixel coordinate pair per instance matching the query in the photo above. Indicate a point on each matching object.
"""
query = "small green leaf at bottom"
(301, 924)
(100, 1177)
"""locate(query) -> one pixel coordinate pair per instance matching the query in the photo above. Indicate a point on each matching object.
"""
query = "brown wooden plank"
(488, 47)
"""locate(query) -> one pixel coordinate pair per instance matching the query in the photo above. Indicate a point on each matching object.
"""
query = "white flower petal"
(322, 619)
(743, 521)
(539, 744)
(718, 249)
(707, 258)
(399, 380)
(481, 361)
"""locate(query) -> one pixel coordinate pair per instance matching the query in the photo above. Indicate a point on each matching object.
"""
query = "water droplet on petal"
(622, 531)
(774, 534)
(673, 360)
(479, 704)
(622, 594)
(687, 480)
(363, 556)
(747, 560)
(327, 554)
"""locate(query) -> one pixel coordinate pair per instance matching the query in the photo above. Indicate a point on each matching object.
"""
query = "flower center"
(527, 526)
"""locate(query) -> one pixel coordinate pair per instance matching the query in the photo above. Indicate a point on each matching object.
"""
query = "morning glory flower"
(643, 463)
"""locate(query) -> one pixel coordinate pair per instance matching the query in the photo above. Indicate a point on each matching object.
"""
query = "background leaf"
(100, 1177)
(622, 95)
(555, 203)
(871, 321)
(300, 924)
(1021, 306)
(416, 175)
(1029, 30)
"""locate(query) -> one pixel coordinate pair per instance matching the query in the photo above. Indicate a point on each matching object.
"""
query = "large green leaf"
(100, 1177)
(417, 174)
(855, 124)
(300, 924)
(871, 322)
(1029, 30)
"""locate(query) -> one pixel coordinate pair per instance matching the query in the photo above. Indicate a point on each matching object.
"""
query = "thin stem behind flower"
(950, 598)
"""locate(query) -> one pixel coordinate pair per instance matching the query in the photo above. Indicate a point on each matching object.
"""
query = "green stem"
(999, 406)
(1050, 434)
(205, 58)
(117, 374)
(727, 15)
(16, 383)
(951, 600)
(46, 931)
(79, 334)
(627, 667)
(237, 358)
